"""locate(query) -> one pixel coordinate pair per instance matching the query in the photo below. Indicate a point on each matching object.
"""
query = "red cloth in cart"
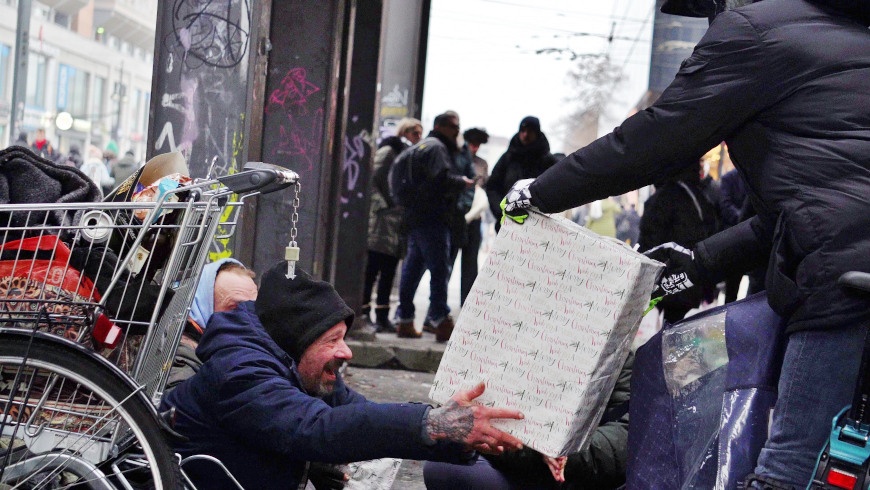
(37, 271)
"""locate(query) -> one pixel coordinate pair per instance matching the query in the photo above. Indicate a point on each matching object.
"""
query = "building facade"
(89, 61)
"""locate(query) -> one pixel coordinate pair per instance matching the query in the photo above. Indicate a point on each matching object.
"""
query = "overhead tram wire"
(561, 11)
(639, 33)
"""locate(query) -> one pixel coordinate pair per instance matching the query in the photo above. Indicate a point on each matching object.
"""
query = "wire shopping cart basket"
(93, 301)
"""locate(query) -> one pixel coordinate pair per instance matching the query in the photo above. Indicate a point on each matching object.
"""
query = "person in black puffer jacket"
(527, 157)
(784, 84)
(679, 212)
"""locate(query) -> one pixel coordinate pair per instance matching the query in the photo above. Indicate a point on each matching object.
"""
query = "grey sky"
(482, 63)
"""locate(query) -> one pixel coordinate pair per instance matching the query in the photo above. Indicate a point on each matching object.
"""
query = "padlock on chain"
(291, 251)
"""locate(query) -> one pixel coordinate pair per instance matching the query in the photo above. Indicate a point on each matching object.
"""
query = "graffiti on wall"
(357, 149)
(301, 119)
(202, 87)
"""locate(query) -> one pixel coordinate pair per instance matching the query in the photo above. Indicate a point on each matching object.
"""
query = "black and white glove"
(681, 276)
(517, 202)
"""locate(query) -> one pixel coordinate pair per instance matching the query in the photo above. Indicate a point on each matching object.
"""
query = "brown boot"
(445, 329)
(406, 330)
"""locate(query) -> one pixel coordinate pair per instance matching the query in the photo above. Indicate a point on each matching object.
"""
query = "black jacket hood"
(394, 142)
(538, 148)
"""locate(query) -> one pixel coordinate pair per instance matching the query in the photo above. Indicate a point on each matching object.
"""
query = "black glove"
(326, 476)
(680, 282)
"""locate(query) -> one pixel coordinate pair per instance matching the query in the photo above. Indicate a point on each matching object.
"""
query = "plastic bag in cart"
(702, 393)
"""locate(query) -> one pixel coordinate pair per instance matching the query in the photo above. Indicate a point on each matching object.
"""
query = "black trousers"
(469, 258)
(383, 265)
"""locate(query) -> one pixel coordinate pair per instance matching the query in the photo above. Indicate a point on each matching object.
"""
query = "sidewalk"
(390, 386)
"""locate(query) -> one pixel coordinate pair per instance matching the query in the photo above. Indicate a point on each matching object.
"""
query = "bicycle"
(93, 300)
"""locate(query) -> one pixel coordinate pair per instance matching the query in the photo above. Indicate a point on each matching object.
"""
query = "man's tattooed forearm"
(450, 422)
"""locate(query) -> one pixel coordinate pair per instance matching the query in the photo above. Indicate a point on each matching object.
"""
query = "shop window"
(98, 98)
(5, 53)
(36, 66)
(72, 90)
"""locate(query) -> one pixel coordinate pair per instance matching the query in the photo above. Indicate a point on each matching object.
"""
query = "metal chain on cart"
(291, 252)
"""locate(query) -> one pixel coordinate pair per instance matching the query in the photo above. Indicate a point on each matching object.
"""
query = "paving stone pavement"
(391, 385)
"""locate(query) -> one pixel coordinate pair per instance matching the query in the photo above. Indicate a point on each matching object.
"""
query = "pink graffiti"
(302, 133)
(302, 140)
(294, 91)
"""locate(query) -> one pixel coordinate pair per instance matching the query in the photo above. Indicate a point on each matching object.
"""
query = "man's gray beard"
(321, 391)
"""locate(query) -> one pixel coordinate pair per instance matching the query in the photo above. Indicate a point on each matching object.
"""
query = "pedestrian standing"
(474, 137)
(422, 181)
(386, 242)
(528, 156)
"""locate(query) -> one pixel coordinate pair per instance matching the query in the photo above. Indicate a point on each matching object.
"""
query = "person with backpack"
(422, 182)
(386, 243)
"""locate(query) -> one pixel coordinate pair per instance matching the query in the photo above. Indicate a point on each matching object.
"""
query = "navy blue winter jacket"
(246, 406)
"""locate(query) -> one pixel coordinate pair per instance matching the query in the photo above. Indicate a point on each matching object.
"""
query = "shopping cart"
(93, 301)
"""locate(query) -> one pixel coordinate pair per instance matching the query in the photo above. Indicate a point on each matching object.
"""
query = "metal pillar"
(19, 84)
(299, 131)
(205, 56)
(200, 84)
(356, 149)
(403, 61)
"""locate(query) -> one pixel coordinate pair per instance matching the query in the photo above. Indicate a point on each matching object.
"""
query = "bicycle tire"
(110, 403)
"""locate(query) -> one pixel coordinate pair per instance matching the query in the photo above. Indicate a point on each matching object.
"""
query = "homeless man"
(784, 84)
(268, 398)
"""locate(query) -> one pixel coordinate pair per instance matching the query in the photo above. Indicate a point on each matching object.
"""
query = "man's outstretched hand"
(463, 421)
(517, 202)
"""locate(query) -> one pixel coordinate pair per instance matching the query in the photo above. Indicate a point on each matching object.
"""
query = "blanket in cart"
(26, 178)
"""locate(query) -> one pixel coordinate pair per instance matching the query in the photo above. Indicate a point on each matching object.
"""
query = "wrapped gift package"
(547, 326)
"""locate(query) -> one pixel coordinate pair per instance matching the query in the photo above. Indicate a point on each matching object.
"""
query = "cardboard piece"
(376, 474)
(547, 326)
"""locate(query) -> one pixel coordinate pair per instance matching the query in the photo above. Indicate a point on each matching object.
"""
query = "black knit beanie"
(295, 312)
(531, 122)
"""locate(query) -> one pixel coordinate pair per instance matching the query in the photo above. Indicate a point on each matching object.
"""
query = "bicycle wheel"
(70, 422)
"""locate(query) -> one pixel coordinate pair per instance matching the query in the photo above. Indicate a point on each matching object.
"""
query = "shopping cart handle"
(856, 280)
(259, 176)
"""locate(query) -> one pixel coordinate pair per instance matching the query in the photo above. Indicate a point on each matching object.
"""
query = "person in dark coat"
(474, 137)
(430, 203)
(601, 466)
(22, 140)
(784, 84)
(386, 242)
(269, 398)
(42, 147)
(125, 167)
(74, 158)
(528, 156)
(678, 212)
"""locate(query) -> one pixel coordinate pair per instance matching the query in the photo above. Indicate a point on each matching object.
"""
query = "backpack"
(403, 187)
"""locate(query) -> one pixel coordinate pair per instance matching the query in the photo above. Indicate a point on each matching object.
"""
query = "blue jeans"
(818, 378)
(428, 248)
